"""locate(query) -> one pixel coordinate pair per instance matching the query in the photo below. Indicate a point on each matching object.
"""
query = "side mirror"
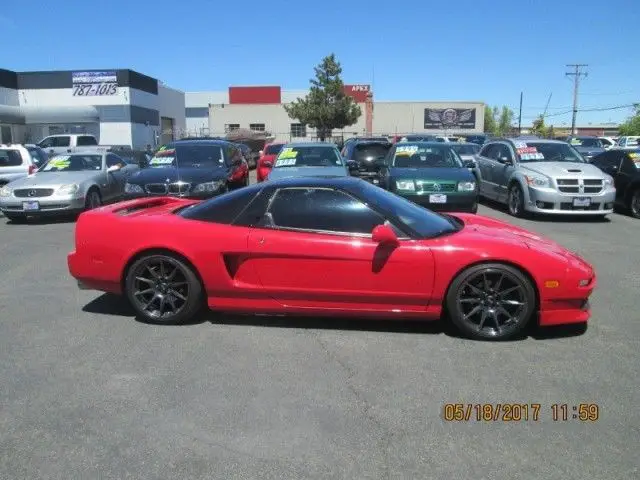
(352, 165)
(113, 168)
(469, 163)
(506, 160)
(384, 235)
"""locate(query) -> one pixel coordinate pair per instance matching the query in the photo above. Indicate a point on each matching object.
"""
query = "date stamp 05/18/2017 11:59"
(520, 412)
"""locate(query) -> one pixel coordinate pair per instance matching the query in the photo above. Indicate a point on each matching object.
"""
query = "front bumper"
(455, 201)
(46, 206)
(551, 201)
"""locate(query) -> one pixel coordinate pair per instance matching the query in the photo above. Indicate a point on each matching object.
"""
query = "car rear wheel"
(163, 289)
(93, 200)
(634, 204)
(515, 201)
(491, 302)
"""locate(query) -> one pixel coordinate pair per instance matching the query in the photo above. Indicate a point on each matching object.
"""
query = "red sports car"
(266, 160)
(328, 246)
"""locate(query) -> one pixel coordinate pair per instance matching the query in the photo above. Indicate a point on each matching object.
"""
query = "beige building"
(261, 109)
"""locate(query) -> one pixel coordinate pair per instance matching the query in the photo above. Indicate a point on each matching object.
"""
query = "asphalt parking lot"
(88, 392)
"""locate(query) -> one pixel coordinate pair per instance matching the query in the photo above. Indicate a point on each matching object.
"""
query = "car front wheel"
(515, 201)
(163, 289)
(491, 302)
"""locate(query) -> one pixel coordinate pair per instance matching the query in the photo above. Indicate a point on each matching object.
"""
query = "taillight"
(32, 169)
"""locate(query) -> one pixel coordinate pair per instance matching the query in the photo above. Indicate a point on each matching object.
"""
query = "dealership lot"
(87, 391)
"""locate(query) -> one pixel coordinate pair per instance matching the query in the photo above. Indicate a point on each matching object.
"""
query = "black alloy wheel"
(634, 204)
(491, 302)
(163, 289)
(515, 201)
(93, 200)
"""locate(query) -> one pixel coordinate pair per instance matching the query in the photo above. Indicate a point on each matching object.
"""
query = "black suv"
(368, 156)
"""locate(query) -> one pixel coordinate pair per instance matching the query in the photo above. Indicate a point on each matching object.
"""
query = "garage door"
(167, 129)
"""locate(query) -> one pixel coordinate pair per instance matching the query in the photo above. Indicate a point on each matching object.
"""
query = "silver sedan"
(67, 184)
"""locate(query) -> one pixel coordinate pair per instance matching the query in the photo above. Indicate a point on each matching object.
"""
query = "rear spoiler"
(128, 206)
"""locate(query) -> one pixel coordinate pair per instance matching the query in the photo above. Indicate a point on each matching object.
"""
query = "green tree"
(538, 127)
(505, 121)
(632, 125)
(326, 107)
(489, 120)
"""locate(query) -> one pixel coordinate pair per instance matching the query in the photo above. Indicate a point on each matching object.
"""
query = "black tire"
(164, 289)
(515, 201)
(93, 199)
(490, 293)
(634, 203)
(15, 218)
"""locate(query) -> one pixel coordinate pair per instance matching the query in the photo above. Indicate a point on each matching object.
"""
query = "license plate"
(581, 202)
(30, 206)
(437, 198)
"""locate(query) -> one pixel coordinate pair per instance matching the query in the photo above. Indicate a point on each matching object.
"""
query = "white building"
(120, 107)
(261, 108)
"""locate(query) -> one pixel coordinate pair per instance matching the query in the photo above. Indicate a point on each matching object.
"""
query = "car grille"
(179, 188)
(436, 187)
(572, 185)
(33, 192)
(157, 188)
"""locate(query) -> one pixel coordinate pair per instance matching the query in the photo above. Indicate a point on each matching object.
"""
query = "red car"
(328, 246)
(265, 162)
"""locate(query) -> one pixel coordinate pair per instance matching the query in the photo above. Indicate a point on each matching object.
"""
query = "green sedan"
(432, 175)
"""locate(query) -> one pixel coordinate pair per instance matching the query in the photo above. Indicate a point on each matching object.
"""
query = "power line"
(576, 74)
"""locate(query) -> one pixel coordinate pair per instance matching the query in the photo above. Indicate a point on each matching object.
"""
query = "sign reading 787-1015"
(94, 89)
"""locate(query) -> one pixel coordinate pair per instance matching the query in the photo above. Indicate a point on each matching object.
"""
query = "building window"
(256, 127)
(298, 130)
(230, 127)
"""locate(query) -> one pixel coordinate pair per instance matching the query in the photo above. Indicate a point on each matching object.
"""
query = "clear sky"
(408, 50)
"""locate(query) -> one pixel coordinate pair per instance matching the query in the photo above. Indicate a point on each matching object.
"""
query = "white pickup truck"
(70, 142)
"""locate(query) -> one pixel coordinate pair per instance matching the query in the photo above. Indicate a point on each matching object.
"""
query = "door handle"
(261, 241)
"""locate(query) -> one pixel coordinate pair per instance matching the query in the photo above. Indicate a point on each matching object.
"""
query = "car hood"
(457, 174)
(589, 150)
(190, 175)
(563, 169)
(283, 172)
(45, 179)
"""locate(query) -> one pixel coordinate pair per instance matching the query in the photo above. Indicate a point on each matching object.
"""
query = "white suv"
(17, 161)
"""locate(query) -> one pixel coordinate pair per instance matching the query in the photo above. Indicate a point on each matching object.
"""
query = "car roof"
(428, 143)
(527, 139)
(200, 142)
(310, 144)
(370, 140)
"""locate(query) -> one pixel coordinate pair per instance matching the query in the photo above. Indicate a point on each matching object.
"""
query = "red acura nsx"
(328, 246)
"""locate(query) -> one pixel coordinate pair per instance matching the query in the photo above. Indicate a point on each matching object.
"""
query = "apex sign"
(359, 88)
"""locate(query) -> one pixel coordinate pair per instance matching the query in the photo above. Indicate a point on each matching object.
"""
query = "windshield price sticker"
(532, 156)
(634, 155)
(406, 151)
(162, 160)
(285, 162)
(524, 150)
(287, 153)
(520, 144)
(59, 162)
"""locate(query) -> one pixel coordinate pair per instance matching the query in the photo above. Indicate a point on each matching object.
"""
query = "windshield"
(632, 141)
(466, 149)
(309, 157)
(370, 151)
(425, 156)
(424, 222)
(73, 163)
(586, 142)
(547, 152)
(188, 156)
(273, 149)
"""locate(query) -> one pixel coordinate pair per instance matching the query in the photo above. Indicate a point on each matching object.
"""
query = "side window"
(607, 159)
(487, 150)
(113, 160)
(63, 141)
(501, 151)
(325, 210)
(225, 208)
(628, 166)
(85, 140)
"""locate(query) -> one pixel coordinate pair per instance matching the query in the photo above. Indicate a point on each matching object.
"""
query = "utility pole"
(520, 116)
(577, 73)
